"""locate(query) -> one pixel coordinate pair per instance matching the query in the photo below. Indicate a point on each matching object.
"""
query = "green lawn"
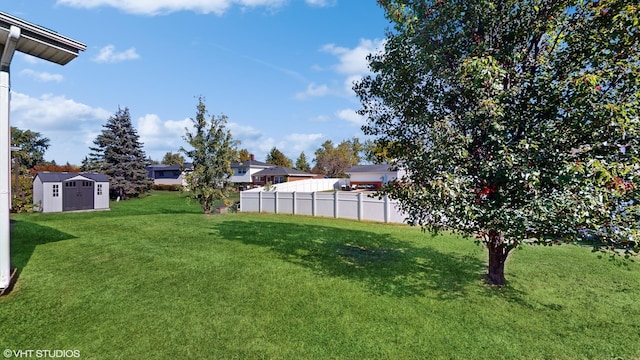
(154, 278)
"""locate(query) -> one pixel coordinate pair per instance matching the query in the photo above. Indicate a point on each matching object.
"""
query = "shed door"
(77, 195)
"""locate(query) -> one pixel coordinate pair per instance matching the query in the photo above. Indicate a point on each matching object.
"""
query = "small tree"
(212, 154)
(302, 164)
(514, 119)
(276, 157)
(118, 154)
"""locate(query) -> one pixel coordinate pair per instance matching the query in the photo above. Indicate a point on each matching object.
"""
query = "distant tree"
(302, 164)
(118, 154)
(244, 155)
(276, 157)
(515, 120)
(173, 159)
(334, 161)
(31, 148)
(376, 152)
(54, 168)
(213, 151)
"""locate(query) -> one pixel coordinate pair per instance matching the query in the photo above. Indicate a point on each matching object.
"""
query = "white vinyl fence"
(338, 204)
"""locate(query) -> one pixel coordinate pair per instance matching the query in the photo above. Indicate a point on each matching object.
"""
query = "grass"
(154, 278)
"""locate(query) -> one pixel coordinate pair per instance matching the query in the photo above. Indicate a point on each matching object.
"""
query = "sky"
(280, 70)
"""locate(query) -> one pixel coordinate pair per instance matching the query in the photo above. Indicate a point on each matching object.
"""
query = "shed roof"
(281, 170)
(47, 176)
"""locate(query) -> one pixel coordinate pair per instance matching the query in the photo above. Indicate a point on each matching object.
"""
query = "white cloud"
(352, 64)
(41, 76)
(321, 3)
(350, 81)
(52, 112)
(351, 116)
(161, 136)
(109, 55)
(313, 90)
(294, 144)
(354, 61)
(157, 7)
(70, 126)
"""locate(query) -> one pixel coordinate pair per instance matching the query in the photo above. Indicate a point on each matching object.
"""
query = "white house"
(243, 171)
(372, 177)
(66, 191)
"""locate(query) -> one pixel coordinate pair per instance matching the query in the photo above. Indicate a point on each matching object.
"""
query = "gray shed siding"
(48, 190)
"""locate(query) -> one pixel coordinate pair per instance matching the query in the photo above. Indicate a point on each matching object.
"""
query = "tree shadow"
(383, 263)
(25, 237)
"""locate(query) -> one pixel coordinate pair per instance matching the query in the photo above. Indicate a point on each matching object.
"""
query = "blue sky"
(281, 70)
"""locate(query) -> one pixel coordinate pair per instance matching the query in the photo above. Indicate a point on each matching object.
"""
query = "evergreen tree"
(213, 152)
(118, 154)
(276, 157)
(302, 164)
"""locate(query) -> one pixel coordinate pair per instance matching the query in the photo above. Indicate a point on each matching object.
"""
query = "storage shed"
(65, 191)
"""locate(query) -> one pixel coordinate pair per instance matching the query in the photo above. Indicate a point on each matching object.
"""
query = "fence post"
(387, 211)
(260, 201)
(313, 203)
(335, 204)
(295, 212)
(275, 199)
(360, 206)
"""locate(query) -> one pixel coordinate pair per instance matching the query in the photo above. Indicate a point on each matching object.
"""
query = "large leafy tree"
(213, 151)
(173, 159)
(31, 146)
(514, 119)
(243, 155)
(277, 157)
(333, 160)
(118, 154)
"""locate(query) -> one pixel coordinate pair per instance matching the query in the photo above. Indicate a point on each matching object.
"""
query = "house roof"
(281, 170)
(47, 176)
(251, 163)
(165, 167)
(370, 168)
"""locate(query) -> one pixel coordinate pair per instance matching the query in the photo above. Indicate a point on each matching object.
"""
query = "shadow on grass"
(25, 237)
(383, 263)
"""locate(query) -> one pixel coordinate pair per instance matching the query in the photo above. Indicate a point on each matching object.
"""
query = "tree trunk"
(498, 253)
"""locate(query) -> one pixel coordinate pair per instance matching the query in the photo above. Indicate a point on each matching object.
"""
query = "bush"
(22, 200)
(167, 187)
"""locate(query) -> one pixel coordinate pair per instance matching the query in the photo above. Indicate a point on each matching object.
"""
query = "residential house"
(163, 174)
(243, 172)
(372, 177)
(281, 174)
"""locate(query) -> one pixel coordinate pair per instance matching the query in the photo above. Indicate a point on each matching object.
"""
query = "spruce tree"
(302, 164)
(118, 154)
